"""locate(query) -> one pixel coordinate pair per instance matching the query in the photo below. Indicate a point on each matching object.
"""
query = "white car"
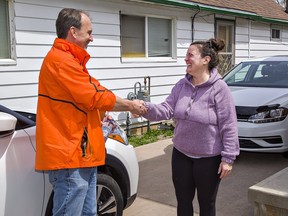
(26, 192)
(260, 91)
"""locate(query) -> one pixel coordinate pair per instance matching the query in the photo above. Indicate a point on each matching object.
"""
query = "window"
(145, 37)
(225, 31)
(7, 52)
(275, 33)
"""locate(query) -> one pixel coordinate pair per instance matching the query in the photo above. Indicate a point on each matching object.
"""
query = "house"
(138, 44)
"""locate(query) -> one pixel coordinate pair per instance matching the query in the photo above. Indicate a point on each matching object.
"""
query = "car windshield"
(273, 74)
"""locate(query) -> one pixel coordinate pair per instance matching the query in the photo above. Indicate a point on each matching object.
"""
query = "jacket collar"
(77, 51)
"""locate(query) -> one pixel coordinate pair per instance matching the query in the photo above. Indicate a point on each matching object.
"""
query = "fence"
(225, 63)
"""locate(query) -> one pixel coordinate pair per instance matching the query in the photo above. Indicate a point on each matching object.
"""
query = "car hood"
(257, 96)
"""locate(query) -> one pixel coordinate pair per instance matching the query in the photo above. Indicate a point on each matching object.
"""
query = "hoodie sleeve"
(227, 121)
(164, 110)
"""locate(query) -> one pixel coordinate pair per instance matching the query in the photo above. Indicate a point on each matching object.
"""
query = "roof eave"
(191, 5)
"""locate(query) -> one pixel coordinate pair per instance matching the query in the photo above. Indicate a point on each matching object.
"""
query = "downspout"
(192, 23)
(249, 38)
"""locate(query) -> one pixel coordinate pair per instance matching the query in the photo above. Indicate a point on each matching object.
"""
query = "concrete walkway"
(156, 195)
(146, 207)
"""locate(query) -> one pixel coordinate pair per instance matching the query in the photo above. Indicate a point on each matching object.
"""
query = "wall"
(253, 40)
(35, 33)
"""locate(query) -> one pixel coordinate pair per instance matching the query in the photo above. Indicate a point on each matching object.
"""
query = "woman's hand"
(225, 169)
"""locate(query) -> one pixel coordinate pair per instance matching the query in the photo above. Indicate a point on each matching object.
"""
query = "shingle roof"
(263, 8)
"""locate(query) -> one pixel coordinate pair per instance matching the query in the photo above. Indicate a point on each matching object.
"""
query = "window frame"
(172, 58)
(11, 32)
(223, 67)
(271, 33)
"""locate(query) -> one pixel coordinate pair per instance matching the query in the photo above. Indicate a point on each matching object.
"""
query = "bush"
(150, 136)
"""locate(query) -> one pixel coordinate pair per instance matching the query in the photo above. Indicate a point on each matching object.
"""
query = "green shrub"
(150, 136)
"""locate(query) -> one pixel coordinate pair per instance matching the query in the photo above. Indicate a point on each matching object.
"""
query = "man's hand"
(135, 107)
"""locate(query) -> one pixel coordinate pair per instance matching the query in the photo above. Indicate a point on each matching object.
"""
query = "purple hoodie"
(204, 116)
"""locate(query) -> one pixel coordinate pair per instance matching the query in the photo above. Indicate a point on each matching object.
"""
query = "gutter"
(226, 11)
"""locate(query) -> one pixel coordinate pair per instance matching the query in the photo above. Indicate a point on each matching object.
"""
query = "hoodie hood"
(214, 76)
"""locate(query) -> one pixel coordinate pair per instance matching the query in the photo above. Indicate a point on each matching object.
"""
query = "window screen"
(132, 36)
(159, 37)
(275, 33)
(145, 37)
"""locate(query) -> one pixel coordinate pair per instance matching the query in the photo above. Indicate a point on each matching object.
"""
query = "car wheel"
(109, 196)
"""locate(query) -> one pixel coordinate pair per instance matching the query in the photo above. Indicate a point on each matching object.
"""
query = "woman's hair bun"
(217, 44)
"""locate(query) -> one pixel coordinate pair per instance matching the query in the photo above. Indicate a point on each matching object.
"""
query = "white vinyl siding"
(35, 32)
(253, 39)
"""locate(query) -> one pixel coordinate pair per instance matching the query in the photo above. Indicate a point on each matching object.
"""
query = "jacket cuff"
(226, 160)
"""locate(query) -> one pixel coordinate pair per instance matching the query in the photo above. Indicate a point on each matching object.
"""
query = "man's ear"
(73, 31)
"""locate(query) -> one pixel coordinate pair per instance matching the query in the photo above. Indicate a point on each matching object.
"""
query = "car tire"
(109, 196)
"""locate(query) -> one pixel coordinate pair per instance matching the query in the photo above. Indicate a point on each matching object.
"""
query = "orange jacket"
(69, 100)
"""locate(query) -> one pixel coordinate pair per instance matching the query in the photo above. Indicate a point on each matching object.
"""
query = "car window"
(259, 74)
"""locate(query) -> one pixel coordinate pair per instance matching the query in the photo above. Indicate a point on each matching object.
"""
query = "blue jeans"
(74, 191)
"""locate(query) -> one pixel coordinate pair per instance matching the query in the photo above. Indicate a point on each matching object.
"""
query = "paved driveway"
(156, 194)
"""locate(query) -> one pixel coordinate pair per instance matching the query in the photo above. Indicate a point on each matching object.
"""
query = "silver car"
(260, 91)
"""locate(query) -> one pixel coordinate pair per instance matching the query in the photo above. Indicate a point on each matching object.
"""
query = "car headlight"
(267, 116)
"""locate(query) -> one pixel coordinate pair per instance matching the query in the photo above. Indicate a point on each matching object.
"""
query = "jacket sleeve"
(227, 122)
(84, 89)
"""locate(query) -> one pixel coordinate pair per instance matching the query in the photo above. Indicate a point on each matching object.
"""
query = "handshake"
(139, 108)
(136, 107)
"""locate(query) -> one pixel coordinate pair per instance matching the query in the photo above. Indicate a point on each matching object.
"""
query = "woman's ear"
(207, 59)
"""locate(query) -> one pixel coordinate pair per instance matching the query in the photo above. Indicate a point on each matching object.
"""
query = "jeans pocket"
(52, 176)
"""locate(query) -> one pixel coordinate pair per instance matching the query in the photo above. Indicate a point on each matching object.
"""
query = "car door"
(21, 188)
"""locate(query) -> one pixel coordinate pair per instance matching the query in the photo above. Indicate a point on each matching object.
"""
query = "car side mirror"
(7, 124)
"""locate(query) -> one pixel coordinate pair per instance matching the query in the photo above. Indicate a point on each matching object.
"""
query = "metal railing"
(225, 63)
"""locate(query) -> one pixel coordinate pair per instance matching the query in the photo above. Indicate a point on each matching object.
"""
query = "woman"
(205, 136)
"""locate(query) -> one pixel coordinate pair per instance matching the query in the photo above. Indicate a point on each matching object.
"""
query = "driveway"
(156, 194)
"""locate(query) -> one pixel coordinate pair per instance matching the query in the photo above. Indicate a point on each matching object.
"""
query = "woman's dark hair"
(67, 18)
(210, 48)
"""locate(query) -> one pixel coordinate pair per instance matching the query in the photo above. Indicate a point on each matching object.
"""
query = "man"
(71, 105)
